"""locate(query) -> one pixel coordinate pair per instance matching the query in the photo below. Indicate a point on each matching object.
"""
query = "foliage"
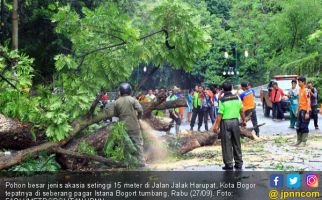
(107, 44)
(82, 46)
(282, 167)
(84, 147)
(43, 163)
(281, 37)
(120, 147)
(279, 141)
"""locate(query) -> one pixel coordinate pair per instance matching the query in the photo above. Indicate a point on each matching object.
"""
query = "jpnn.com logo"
(276, 180)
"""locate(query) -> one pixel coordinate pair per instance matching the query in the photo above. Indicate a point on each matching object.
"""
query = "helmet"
(125, 89)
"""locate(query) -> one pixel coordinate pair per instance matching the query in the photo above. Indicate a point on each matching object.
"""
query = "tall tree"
(15, 21)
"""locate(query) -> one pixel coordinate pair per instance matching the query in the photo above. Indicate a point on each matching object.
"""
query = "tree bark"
(195, 140)
(163, 105)
(17, 135)
(96, 139)
(15, 18)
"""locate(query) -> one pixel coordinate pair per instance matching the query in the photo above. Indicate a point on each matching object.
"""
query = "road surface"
(270, 128)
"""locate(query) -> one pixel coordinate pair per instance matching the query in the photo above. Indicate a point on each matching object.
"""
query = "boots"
(299, 139)
(304, 139)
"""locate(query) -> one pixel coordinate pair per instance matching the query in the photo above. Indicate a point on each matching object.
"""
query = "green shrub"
(43, 163)
(120, 147)
(84, 147)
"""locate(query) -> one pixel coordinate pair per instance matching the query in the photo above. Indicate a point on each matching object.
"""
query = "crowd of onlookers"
(203, 102)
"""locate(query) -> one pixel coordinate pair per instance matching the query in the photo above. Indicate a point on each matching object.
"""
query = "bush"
(43, 163)
(120, 147)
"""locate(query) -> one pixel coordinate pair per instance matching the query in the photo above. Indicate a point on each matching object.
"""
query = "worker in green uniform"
(230, 108)
(129, 111)
(294, 103)
(196, 107)
(174, 112)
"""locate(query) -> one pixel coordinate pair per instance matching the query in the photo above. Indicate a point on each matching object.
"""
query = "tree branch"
(6, 80)
(84, 55)
(93, 106)
(108, 162)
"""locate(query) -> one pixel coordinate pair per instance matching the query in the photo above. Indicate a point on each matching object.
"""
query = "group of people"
(176, 114)
(205, 104)
(303, 107)
(223, 106)
(277, 95)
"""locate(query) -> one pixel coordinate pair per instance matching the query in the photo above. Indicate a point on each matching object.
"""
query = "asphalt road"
(270, 128)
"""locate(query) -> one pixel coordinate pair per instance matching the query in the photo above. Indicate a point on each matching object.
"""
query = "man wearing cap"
(303, 113)
(247, 97)
(230, 108)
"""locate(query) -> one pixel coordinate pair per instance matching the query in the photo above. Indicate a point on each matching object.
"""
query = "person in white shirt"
(151, 96)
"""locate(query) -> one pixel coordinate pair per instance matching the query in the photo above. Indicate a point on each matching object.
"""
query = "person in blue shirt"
(189, 102)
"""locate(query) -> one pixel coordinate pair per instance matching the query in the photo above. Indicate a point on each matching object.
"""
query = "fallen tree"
(66, 150)
(189, 140)
(15, 131)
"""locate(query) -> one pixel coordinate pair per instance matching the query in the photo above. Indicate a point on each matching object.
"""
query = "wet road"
(270, 128)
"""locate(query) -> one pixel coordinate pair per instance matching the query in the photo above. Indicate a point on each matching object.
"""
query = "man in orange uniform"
(247, 97)
(303, 113)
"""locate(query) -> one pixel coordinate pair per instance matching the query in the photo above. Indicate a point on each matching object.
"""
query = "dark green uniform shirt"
(126, 108)
(230, 106)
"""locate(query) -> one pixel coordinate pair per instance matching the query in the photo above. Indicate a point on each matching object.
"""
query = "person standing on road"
(303, 113)
(196, 108)
(189, 104)
(314, 103)
(216, 101)
(129, 110)
(174, 112)
(276, 98)
(207, 107)
(294, 103)
(247, 97)
(230, 108)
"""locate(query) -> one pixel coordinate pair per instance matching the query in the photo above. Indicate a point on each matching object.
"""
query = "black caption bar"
(141, 185)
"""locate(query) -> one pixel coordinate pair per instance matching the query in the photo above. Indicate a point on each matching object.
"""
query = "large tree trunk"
(188, 140)
(15, 19)
(17, 135)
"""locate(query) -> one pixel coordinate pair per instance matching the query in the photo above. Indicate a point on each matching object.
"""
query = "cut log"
(158, 123)
(17, 135)
(188, 140)
(162, 105)
(77, 126)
